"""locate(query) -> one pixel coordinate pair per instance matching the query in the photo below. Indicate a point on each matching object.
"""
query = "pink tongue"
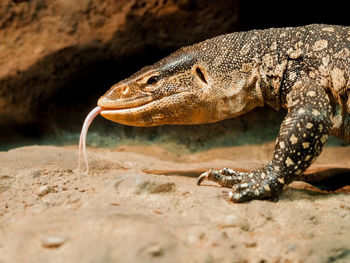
(82, 141)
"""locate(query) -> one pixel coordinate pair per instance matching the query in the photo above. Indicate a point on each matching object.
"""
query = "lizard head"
(196, 84)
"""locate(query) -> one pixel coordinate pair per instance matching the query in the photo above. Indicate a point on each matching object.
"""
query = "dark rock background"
(57, 57)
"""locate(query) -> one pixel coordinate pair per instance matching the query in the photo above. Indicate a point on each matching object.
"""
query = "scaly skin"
(304, 69)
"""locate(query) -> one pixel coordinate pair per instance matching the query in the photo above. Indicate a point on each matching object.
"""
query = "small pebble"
(157, 211)
(191, 239)
(187, 194)
(155, 250)
(43, 190)
(36, 173)
(53, 241)
(234, 221)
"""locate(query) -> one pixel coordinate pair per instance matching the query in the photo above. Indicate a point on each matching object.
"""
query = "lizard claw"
(203, 177)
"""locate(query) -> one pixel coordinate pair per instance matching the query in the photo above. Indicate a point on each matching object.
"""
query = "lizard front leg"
(303, 133)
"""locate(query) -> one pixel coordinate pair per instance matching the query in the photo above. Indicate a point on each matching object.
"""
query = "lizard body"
(303, 69)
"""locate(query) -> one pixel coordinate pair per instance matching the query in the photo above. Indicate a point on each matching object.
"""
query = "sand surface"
(138, 204)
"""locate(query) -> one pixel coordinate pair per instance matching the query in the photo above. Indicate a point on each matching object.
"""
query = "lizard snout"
(114, 95)
(117, 92)
(121, 96)
(104, 102)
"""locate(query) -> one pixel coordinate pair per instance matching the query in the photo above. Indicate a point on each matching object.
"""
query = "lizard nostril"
(125, 90)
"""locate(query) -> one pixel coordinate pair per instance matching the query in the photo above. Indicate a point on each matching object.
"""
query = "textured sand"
(123, 212)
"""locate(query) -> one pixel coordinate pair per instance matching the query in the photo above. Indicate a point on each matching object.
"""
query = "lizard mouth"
(118, 106)
(111, 104)
(137, 106)
(149, 112)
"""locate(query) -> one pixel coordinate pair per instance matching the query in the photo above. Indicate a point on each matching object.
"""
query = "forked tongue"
(82, 141)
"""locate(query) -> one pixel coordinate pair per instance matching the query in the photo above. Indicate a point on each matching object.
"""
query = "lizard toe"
(247, 191)
(224, 177)
(239, 195)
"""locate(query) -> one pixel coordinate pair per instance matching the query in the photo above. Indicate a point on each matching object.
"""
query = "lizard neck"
(273, 62)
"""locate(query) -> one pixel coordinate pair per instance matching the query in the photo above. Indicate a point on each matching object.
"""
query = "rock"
(79, 47)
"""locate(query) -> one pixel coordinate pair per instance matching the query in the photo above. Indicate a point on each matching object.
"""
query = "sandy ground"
(127, 210)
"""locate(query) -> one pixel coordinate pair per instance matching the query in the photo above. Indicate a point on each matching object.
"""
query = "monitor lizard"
(303, 69)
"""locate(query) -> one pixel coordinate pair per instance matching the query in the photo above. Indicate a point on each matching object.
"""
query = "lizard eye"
(152, 80)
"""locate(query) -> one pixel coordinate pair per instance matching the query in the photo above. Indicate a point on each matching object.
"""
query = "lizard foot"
(245, 186)
(248, 191)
